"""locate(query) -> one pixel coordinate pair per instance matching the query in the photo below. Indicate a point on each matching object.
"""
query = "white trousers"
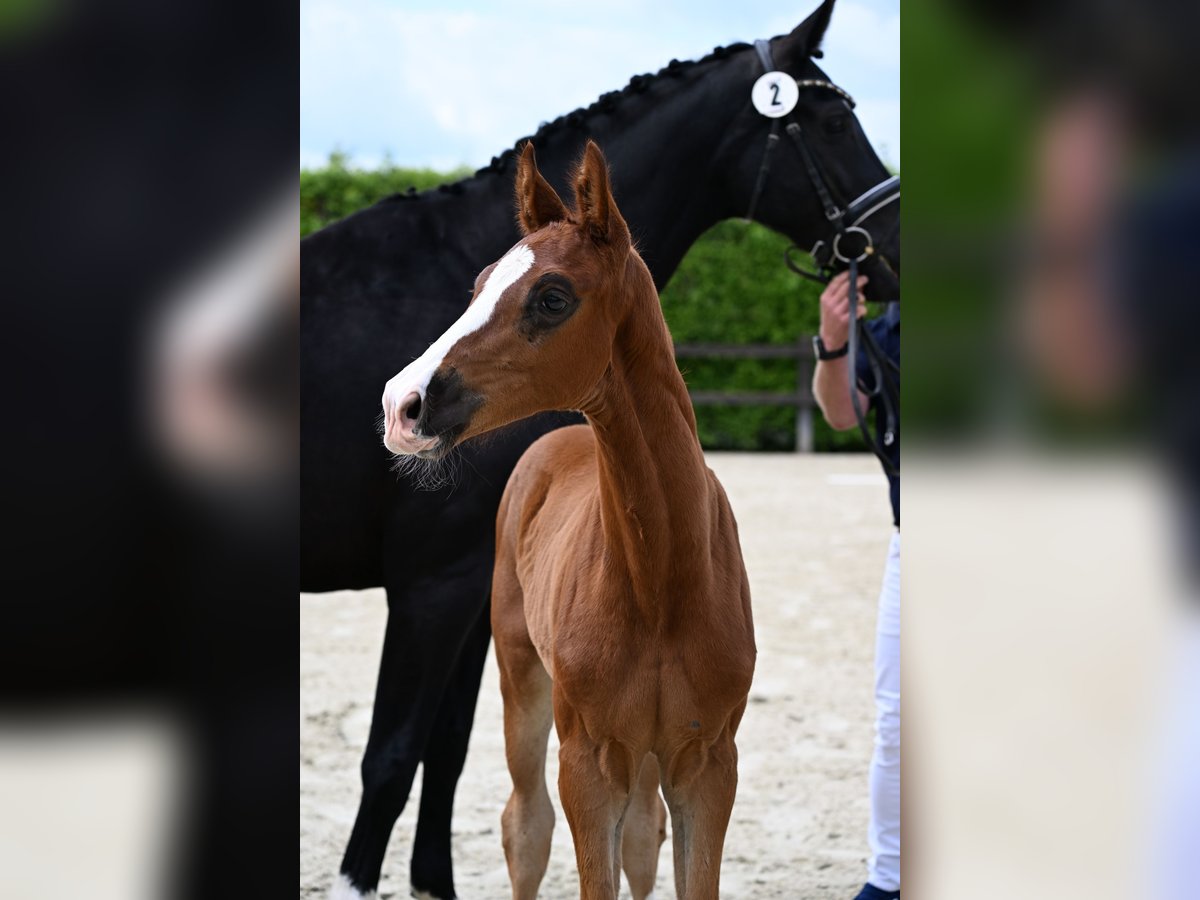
(883, 834)
(1174, 834)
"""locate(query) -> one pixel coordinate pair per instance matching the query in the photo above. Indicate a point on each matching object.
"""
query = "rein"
(850, 243)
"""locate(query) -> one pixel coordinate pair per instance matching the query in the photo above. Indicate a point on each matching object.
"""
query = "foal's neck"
(655, 496)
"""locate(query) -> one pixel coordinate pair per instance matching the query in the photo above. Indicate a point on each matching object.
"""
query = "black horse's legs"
(428, 620)
(432, 872)
(399, 727)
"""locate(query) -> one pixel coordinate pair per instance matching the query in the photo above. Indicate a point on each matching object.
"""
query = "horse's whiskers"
(429, 474)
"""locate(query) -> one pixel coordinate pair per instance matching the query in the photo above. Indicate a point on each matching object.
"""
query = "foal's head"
(539, 331)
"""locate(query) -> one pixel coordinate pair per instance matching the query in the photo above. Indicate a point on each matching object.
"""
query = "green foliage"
(335, 191)
(732, 287)
(21, 19)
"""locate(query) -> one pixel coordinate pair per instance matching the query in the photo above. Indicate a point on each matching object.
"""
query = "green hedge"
(732, 287)
(335, 191)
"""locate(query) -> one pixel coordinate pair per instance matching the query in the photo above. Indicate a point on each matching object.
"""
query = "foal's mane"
(606, 103)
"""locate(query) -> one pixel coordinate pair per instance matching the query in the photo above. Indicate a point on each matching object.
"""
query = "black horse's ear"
(805, 39)
(537, 202)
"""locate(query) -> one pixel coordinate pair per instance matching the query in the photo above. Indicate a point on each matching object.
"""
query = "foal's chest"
(647, 684)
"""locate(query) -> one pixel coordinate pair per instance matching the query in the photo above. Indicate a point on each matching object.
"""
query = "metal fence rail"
(801, 399)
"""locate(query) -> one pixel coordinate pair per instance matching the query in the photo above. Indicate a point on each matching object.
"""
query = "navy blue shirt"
(1162, 318)
(886, 331)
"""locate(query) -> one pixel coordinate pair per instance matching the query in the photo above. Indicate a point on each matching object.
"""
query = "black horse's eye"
(554, 302)
(836, 124)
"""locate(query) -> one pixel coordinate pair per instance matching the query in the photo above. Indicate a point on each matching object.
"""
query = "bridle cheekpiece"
(849, 244)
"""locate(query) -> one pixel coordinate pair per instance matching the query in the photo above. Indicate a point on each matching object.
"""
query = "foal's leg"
(644, 831)
(528, 819)
(594, 782)
(700, 788)
(431, 871)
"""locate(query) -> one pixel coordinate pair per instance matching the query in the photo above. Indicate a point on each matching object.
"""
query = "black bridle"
(848, 243)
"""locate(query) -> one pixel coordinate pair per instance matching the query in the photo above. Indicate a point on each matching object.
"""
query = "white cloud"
(312, 159)
(517, 77)
(860, 35)
(881, 121)
(427, 84)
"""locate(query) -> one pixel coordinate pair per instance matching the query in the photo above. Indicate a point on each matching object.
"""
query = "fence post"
(804, 416)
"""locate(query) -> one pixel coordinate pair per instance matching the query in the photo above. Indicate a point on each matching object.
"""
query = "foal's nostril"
(410, 409)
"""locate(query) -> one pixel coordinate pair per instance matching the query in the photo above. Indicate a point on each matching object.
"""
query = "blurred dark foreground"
(149, 267)
(1052, 483)
(147, 648)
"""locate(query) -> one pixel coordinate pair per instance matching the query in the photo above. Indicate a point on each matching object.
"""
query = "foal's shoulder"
(564, 454)
(561, 450)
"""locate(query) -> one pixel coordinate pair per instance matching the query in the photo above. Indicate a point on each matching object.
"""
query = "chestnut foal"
(620, 605)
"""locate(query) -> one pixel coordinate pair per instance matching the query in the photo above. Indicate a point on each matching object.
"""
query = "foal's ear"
(537, 203)
(595, 208)
(805, 39)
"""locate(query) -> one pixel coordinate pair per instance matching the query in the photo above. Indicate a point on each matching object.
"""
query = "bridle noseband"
(850, 242)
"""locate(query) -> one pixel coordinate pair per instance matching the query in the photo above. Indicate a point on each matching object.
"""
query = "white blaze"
(415, 376)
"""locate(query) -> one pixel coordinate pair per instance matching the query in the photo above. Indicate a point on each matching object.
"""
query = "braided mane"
(606, 103)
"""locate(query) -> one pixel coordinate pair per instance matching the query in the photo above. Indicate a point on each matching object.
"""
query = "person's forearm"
(831, 378)
(831, 389)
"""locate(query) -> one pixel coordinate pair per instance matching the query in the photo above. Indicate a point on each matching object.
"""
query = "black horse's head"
(819, 149)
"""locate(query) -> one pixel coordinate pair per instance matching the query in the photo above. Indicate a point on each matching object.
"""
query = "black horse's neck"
(664, 151)
(663, 147)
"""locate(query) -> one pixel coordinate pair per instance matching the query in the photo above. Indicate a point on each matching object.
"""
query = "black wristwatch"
(823, 354)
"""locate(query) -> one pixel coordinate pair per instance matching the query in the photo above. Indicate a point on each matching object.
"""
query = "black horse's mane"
(605, 103)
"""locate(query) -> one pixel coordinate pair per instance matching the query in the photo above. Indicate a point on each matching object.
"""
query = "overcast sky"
(444, 83)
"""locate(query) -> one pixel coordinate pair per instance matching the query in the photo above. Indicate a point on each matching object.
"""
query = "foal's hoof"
(425, 895)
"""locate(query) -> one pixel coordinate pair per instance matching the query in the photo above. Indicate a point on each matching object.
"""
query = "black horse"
(378, 287)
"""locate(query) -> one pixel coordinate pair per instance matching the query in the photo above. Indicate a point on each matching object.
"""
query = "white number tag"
(775, 94)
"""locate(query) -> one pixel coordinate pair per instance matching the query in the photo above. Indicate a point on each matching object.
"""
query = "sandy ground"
(814, 534)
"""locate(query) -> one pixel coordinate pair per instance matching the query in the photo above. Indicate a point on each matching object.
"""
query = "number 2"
(775, 94)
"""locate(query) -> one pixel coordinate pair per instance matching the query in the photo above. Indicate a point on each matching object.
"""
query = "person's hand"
(835, 310)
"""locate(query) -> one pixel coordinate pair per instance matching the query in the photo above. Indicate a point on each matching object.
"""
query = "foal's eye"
(554, 302)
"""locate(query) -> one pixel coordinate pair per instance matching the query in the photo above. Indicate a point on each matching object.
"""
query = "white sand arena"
(814, 533)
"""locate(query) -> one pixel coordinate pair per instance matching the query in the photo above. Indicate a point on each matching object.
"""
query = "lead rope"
(883, 386)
